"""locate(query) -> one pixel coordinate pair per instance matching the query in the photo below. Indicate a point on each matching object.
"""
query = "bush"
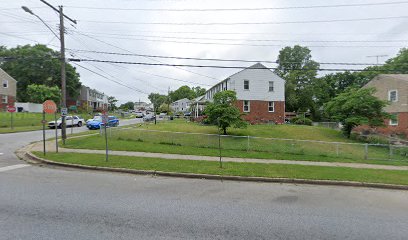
(301, 121)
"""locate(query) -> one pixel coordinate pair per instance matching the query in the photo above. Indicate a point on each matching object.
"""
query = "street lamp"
(26, 9)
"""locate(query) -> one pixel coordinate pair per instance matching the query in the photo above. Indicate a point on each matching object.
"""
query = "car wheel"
(79, 124)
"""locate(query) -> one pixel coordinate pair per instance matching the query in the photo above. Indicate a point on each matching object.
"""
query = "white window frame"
(4, 99)
(395, 123)
(6, 82)
(248, 105)
(244, 85)
(269, 86)
(273, 106)
(396, 95)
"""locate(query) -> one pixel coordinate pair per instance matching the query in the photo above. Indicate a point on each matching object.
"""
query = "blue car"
(96, 122)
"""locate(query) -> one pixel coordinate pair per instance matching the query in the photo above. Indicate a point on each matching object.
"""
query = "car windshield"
(97, 118)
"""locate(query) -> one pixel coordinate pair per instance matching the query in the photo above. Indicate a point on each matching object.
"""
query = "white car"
(70, 121)
(139, 114)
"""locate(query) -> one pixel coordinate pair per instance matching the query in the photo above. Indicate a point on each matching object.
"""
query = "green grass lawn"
(207, 145)
(235, 169)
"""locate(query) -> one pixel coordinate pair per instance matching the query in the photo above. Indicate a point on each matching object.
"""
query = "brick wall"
(259, 112)
(10, 102)
(402, 127)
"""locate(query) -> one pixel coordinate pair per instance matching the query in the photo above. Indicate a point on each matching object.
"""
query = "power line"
(245, 23)
(246, 40)
(227, 67)
(203, 75)
(217, 59)
(260, 45)
(240, 9)
(90, 70)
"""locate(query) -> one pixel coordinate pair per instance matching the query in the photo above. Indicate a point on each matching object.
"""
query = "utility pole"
(377, 57)
(63, 62)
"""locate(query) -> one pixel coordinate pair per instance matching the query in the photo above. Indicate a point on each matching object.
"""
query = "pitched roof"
(4, 73)
(403, 77)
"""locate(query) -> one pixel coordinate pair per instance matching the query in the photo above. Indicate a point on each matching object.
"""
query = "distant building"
(142, 106)
(8, 90)
(89, 99)
(394, 89)
(181, 105)
(260, 94)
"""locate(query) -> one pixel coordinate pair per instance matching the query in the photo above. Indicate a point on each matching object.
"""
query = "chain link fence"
(268, 147)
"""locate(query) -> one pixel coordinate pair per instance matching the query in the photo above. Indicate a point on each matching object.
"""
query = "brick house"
(260, 94)
(89, 99)
(394, 89)
(8, 90)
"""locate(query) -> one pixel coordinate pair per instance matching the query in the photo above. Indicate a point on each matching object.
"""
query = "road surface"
(57, 203)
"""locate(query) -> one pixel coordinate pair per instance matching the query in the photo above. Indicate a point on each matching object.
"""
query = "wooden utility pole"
(63, 62)
(63, 75)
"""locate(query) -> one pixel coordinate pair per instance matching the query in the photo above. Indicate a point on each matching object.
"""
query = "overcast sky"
(118, 29)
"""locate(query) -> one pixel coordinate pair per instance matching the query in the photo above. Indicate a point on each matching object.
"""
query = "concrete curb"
(27, 155)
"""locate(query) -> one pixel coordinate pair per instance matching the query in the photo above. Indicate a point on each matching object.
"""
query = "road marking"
(12, 167)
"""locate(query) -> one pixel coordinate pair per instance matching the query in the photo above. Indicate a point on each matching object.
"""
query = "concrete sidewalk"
(50, 147)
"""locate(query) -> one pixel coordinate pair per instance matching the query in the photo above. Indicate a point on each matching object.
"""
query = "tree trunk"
(225, 131)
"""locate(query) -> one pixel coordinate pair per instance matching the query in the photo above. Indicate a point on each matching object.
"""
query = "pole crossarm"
(57, 10)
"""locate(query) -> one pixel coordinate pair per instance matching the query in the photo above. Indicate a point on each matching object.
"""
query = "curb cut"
(27, 155)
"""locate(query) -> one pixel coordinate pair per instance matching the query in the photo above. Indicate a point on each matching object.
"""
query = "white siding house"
(260, 93)
(181, 105)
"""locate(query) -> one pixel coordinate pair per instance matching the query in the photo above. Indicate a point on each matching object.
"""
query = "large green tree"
(157, 99)
(112, 103)
(128, 106)
(39, 93)
(357, 107)
(223, 113)
(37, 64)
(296, 66)
(182, 92)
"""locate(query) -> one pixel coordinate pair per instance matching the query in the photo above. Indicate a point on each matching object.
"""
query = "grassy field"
(27, 121)
(149, 140)
(236, 169)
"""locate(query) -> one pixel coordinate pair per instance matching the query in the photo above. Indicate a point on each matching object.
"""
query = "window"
(270, 86)
(247, 106)
(5, 84)
(4, 99)
(271, 106)
(393, 96)
(394, 120)
(246, 85)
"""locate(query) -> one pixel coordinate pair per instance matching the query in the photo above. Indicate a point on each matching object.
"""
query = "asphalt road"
(57, 203)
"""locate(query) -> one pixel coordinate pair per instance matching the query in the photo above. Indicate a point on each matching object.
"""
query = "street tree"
(356, 107)
(223, 113)
(157, 100)
(38, 93)
(112, 103)
(182, 92)
(198, 91)
(37, 64)
(128, 106)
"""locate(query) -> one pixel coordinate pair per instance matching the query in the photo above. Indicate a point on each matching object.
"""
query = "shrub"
(301, 121)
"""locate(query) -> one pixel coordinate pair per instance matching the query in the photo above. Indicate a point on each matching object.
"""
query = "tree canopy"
(157, 99)
(186, 92)
(296, 66)
(357, 107)
(223, 113)
(38, 93)
(39, 65)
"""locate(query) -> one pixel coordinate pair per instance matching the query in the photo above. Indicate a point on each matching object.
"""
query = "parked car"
(187, 114)
(70, 121)
(97, 123)
(148, 117)
(139, 114)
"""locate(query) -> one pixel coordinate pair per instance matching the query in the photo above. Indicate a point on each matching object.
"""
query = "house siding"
(384, 83)
(258, 93)
(10, 91)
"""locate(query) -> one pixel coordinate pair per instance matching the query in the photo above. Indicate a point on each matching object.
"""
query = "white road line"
(12, 167)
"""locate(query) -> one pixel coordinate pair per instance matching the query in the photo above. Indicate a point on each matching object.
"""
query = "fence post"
(366, 151)
(247, 143)
(337, 149)
(391, 150)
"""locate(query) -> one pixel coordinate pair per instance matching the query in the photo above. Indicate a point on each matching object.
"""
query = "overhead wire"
(237, 9)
